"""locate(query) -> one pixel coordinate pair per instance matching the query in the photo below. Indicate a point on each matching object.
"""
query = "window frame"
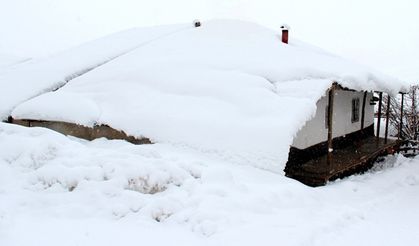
(355, 110)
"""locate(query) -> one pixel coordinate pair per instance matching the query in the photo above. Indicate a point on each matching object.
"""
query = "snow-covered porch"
(345, 161)
(349, 153)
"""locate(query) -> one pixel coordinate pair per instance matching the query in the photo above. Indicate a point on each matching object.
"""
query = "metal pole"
(387, 118)
(380, 98)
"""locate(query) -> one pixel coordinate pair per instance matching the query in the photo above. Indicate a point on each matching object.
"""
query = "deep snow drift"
(56, 190)
(229, 86)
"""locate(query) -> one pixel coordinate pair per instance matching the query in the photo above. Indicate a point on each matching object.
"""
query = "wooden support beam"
(387, 118)
(399, 136)
(330, 126)
(363, 111)
(414, 114)
(380, 103)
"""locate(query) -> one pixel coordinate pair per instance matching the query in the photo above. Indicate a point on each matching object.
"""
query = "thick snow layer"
(7, 60)
(228, 86)
(56, 190)
(41, 75)
(244, 117)
(410, 72)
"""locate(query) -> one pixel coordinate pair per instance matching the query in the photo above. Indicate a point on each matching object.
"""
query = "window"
(355, 110)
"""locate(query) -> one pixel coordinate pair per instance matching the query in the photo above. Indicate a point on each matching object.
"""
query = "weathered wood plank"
(330, 123)
(399, 136)
(363, 110)
(387, 119)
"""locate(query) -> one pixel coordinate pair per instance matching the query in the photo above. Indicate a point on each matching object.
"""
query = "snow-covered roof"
(41, 75)
(228, 86)
(409, 72)
(7, 60)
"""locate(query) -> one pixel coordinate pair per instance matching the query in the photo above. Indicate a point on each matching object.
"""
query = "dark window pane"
(355, 110)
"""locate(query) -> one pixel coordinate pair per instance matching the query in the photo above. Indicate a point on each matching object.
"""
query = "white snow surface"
(41, 75)
(56, 190)
(7, 60)
(230, 87)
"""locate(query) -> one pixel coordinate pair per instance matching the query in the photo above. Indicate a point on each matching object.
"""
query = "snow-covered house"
(230, 88)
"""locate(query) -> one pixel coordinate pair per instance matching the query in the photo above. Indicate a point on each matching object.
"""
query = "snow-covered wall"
(315, 131)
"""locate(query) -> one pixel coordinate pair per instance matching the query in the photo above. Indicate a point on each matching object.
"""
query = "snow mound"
(227, 86)
(74, 188)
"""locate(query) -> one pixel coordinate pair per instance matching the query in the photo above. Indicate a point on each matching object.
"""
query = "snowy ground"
(56, 190)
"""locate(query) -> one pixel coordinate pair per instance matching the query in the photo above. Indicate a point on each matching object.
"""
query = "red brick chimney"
(285, 29)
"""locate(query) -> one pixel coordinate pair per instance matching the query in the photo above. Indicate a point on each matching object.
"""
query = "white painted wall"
(315, 131)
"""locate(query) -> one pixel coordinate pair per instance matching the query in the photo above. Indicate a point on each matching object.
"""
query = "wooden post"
(401, 118)
(330, 126)
(363, 110)
(387, 118)
(380, 99)
(414, 115)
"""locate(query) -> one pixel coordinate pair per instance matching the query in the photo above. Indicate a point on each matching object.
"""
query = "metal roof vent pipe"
(197, 23)
(285, 29)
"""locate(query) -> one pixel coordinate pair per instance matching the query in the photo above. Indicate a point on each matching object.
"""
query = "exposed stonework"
(88, 133)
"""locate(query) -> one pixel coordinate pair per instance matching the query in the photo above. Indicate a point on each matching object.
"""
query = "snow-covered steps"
(410, 148)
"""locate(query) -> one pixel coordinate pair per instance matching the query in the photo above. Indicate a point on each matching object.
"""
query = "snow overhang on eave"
(338, 86)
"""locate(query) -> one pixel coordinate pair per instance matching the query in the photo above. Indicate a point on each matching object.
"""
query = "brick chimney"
(285, 29)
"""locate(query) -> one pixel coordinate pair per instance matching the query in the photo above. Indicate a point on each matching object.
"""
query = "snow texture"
(41, 75)
(56, 190)
(229, 87)
(7, 60)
